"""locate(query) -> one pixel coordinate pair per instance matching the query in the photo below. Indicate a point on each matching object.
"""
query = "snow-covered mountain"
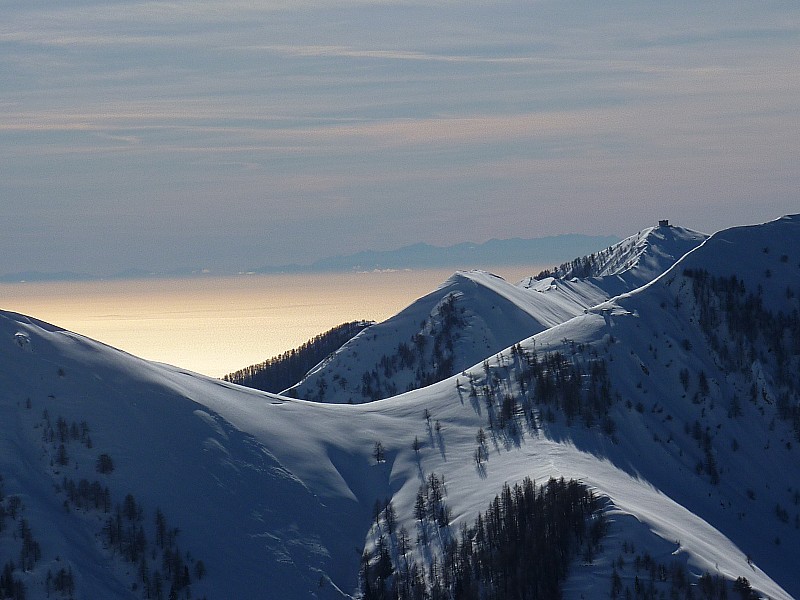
(629, 264)
(475, 314)
(472, 315)
(677, 403)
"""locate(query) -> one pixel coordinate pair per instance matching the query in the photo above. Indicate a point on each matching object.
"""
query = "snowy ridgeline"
(476, 314)
(670, 412)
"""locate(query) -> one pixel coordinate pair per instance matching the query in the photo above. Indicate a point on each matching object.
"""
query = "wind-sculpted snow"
(634, 398)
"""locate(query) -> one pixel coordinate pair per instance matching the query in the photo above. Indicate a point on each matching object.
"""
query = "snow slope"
(275, 495)
(490, 314)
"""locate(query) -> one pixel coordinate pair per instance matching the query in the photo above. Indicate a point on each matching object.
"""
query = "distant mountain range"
(645, 397)
(494, 253)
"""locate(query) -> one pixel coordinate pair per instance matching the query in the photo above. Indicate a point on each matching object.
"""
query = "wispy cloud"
(399, 55)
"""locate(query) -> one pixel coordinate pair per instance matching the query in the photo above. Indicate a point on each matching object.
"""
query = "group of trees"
(61, 434)
(642, 577)
(163, 571)
(30, 552)
(586, 266)
(520, 547)
(285, 370)
(170, 577)
(86, 496)
(704, 440)
(11, 586)
(429, 504)
(426, 357)
(547, 384)
(741, 329)
(62, 582)
(577, 389)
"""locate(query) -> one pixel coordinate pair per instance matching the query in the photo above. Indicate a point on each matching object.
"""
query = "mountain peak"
(634, 261)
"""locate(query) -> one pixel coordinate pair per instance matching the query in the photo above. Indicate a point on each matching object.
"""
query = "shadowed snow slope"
(275, 496)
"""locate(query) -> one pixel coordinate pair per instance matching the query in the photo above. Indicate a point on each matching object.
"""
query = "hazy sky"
(232, 134)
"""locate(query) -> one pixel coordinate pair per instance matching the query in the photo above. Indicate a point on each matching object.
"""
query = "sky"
(233, 134)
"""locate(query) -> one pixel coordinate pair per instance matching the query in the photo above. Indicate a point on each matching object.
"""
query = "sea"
(215, 325)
